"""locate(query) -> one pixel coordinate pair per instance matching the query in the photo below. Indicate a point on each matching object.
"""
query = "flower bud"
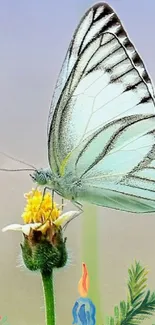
(44, 248)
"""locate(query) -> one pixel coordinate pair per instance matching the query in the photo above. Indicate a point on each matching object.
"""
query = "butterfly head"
(40, 176)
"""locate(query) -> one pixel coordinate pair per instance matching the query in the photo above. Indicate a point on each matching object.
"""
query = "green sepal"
(42, 255)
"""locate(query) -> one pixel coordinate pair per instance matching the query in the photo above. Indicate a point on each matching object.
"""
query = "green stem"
(47, 280)
(91, 258)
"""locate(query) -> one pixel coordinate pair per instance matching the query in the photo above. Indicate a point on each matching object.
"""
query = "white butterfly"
(101, 130)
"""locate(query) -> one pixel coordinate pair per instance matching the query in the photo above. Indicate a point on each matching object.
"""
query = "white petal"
(65, 217)
(13, 227)
(24, 228)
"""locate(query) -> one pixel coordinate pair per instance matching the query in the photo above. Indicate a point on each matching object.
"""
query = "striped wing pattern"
(101, 122)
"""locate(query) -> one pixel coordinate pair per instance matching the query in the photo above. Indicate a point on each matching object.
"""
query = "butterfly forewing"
(102, 122)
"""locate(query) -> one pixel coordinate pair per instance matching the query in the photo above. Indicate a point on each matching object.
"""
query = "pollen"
(39, 208)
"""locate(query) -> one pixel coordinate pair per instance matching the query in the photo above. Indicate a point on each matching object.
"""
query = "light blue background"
(34, 36)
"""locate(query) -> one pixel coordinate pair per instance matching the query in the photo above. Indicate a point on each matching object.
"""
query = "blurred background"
(34, 37)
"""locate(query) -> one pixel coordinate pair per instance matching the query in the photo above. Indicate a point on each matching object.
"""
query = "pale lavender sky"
(34, 38)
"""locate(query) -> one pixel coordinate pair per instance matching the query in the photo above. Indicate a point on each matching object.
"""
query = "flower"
(39, 213)
(44, 247)
(39, 208)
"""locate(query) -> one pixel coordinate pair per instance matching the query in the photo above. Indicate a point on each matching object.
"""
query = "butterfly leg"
(52, 198)
(35, 190)
(78, 205)
(62, 203)
(52, 203)
(80, 208)
(53, 192)
(44, 192)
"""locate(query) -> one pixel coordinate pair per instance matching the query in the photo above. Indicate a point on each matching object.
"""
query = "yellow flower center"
(39, 208)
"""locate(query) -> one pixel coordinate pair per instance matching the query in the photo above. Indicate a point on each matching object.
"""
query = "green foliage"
(140, 303)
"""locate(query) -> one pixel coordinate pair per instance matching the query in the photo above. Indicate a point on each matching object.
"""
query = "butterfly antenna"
(18, 160)
(16, 170)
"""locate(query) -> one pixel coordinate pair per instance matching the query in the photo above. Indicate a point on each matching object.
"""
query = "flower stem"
(47, 279)
(90, 257)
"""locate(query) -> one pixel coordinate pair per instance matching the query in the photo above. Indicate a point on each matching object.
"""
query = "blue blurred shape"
(84, 312)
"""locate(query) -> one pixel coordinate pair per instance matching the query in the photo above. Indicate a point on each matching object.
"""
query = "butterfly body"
(101, 129)
(64, 186)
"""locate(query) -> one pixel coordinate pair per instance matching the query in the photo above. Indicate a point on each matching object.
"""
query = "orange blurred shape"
(83, 284)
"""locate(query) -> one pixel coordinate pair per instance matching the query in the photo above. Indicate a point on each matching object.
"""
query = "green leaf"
(140, 303)
(136, 283)
(123, 309)
(117, 314)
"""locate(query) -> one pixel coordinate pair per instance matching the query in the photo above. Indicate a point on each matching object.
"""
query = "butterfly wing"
(101, 122)
(122, 174)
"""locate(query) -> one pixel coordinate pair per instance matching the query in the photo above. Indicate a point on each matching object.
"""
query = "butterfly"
(101, 126)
